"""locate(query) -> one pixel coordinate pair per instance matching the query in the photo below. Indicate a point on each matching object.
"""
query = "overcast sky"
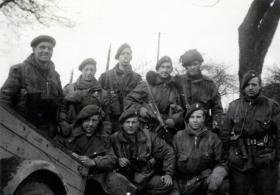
(183, 23)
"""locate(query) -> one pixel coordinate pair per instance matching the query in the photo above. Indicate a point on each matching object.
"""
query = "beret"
(121, 48)
(162, 60)
(86, 62)
(130, 112)
(190, 56)
(192, 109)
(88, 111)
(42, 38)
(247, 77)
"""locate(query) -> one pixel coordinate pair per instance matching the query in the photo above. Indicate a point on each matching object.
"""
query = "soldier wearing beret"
(33, 87)
(251, 137)
(200, 169)
(138, 150)
(85, 91)
(90, 144)
(119, 81)
(195, 87)
(158, 94)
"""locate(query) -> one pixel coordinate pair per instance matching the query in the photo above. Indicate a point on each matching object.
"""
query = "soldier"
(137, 151)
(85, 91)
(195, 87)
(119, 81)
(251, 135)
(200, 168)
(158, 94)
(91, 145)
(33, 87)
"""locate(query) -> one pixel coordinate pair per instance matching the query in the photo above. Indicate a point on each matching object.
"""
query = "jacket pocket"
(235, 158)
(264, 157)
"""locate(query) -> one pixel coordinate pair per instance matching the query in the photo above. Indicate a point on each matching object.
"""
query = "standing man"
(33, 87)
(119, 81)
(137, 151)
(251, 136)
(195, 87)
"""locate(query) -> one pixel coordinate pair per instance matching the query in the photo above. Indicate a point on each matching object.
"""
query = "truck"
(31, 163)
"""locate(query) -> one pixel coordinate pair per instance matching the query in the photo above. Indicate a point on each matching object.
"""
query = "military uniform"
(98, 148)
(253, 158)
(251, 137)
(79, 98)
(118, 84)
(34, 91)
(164, 94)
(197, 155)
(143, 149)
(203, 90)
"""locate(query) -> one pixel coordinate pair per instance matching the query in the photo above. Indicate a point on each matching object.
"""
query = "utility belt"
(257, 142)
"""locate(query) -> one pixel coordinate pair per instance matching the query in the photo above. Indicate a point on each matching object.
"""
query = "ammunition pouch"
(116, 107)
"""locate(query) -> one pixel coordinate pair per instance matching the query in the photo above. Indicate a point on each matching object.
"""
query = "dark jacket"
(257, 124)
(163, 92)
(196, 153)
(118, 84)
(200, 90)
(81, 98)
(97, 147)
(32, 90)
(148, 146)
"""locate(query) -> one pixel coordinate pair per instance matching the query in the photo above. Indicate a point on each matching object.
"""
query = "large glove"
(170, 123)
(216, 178)
(65, 129)
(144, 112)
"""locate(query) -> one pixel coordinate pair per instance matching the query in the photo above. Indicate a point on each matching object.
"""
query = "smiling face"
(88, 72)
(196, 120)
(165, 69)
(43, 52)
(90, 124)
(253, 87)
(131, 125)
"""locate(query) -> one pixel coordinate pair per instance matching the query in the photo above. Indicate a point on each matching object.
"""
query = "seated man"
(200, 170)
(137, 151)
(91, 146)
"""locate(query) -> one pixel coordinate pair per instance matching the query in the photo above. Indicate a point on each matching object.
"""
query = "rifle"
(71, 76)
(108, 58)
(157, 113)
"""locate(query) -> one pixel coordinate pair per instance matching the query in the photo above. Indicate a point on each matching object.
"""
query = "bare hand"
(123, 162)
(87, 161)
(167, 180)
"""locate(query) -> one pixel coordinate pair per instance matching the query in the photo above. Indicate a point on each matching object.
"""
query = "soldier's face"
(90, 124)
(88, 72)
(131, 125)
(253, 87)
(43, 52)
(125, 56)
(193, 69)
(196, 120)
(165, 69)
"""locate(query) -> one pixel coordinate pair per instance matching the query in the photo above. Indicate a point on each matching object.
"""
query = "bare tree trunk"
(256, 33)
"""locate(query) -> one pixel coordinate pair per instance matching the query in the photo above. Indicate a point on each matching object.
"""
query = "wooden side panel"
(20, 140)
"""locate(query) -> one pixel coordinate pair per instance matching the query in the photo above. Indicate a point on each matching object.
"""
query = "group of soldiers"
(164, 135)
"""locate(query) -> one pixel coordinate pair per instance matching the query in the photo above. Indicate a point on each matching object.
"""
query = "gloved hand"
(216, 178)
(65, 129)
(170, 123)
(144, 112)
